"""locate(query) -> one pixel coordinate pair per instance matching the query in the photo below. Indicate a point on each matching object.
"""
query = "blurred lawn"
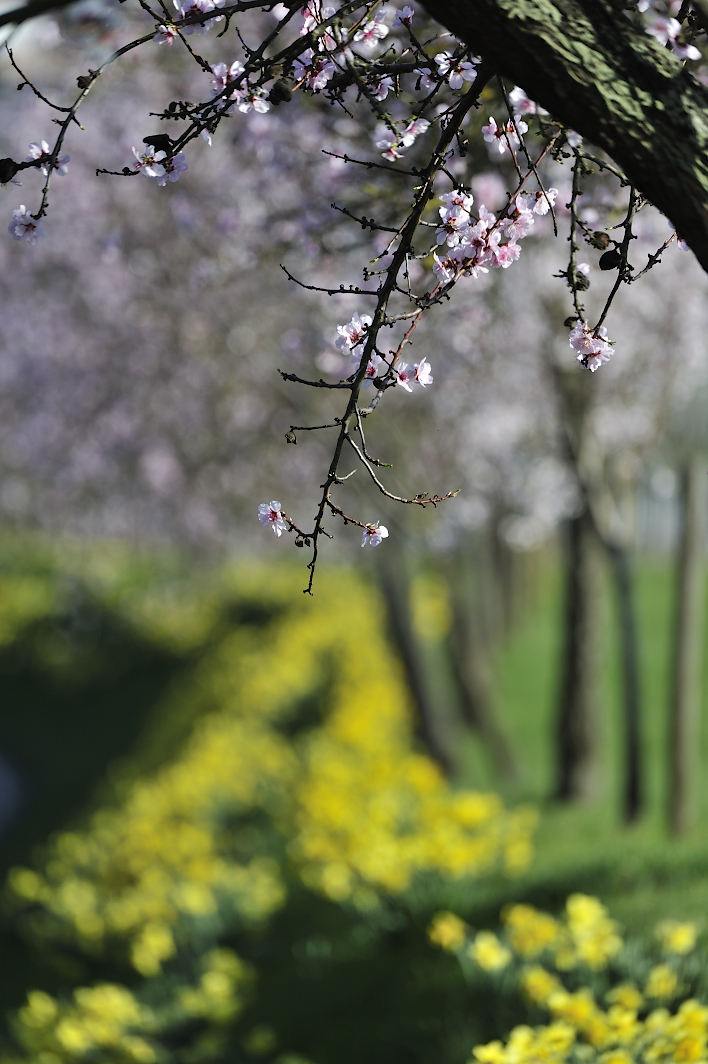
(640, 872)
(80, 689)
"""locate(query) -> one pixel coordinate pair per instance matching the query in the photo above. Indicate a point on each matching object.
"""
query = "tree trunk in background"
(577, 740)
(633, 784)
(471, 662)
(685, 692)
(395, 585)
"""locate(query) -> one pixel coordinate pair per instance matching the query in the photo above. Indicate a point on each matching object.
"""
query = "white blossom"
(405, 15)
(24, 227)
(372, 31)
(423, 373)
(454, 70)
(251, 99)
(314, 70)
(150, 162)
(41, 150)
(173, 167)
(373, 534)
(165, 34)
(270, 513)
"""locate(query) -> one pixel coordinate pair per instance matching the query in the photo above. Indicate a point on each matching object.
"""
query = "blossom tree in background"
(410, 97)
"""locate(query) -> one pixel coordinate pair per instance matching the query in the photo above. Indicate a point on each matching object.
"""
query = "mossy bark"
(598, 72)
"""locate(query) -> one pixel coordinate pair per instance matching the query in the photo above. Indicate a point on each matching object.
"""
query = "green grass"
(640, 871)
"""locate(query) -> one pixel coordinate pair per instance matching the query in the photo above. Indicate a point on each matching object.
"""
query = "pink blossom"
(415, 127)
(405, 15)
(543, 201)
(519, 221)
(40, 150)
(455, 222)
(504, 254)
(685, 51)
(393, 142)
(663, 29)
(373, 534)
(352, 334)
(520, 101)
(423, 373)
(380, 86)
(201, 7)
(315, 70)
(445, 269)
(313, 13)
(150, 162)
(270, 513)
(223, 75)
(594, 349)
(373, 367)
(174, 168)
(24, 227)
(458, 198)
(404, 375)
(372, 31)
(165, 34)
(455, 71)
(502, 136)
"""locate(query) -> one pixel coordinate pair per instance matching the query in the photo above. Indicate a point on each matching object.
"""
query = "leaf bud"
(600, 240)
(160, 142)
(281, 92)
(8, 169)
(610, 260)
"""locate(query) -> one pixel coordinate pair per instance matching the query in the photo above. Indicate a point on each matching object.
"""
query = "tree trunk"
(598, 72)
(471, 668)
(688, 641)
(578, 711)
(633, 785)
(395, 586)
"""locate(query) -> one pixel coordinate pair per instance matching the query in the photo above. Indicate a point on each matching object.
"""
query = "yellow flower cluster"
(586, 936)
(619, 1037)
(580, 1028)
(304, 720)
(107, 1019)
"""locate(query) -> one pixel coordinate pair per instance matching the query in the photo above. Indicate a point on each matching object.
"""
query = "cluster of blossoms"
(245, 97)
(475, 241)
(593, 347)
(586, 939)
(353, 334)
(666, 29)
